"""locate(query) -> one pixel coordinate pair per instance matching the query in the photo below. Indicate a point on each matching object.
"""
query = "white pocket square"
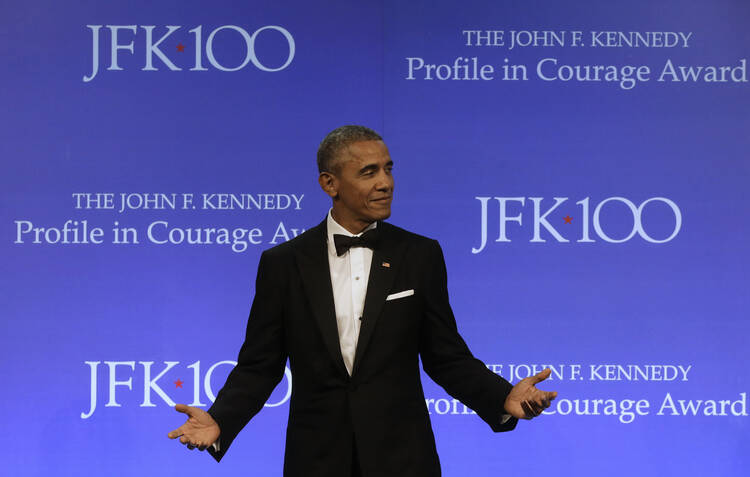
(396, 296)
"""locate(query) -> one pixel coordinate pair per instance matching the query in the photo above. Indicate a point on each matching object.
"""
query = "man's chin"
(382, 215)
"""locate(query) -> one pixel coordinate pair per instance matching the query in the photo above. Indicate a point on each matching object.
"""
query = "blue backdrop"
(583, 164)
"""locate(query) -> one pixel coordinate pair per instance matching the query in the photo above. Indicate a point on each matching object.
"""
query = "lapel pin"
(386, 265)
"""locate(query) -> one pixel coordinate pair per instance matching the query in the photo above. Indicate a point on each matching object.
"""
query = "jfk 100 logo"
(269, 48)
(614, 220)
(163, 383)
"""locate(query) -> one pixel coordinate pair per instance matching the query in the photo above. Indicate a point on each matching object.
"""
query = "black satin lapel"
(383, 270)
(312, 260)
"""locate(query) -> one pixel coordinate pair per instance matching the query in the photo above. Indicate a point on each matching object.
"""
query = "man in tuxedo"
(353, 303)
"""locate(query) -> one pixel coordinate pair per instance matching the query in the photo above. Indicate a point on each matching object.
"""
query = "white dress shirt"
(349, 276)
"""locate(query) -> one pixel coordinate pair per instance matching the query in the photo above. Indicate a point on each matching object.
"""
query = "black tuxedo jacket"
(381, 408)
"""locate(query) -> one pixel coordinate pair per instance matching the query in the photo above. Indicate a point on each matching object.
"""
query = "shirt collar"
(333, 227)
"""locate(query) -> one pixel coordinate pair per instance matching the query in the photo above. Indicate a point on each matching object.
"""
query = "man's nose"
(385, 182)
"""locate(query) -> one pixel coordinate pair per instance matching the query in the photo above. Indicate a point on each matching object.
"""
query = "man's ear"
(329, 184)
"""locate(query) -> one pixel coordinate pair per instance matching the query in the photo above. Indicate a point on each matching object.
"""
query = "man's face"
(361, 186)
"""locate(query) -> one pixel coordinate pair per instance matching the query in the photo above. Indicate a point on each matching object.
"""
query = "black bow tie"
(343, 243)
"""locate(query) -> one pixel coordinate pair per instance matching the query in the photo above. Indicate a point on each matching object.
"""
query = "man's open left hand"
(525, 401)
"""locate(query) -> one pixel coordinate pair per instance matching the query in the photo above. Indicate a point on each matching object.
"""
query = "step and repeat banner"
(583, 164)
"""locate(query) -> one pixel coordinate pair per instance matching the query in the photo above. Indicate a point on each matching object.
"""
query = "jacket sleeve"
(261, 360)
(447, 359)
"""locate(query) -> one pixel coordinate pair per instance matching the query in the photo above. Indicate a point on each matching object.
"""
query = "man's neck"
(352, 226)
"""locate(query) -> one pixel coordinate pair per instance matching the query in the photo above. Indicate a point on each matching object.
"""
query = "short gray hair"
(339, 139)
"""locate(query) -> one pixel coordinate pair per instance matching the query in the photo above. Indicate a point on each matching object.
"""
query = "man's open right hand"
(199, 431)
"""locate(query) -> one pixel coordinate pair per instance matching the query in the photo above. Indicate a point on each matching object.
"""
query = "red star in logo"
(180, 47)
(178, 383)
(567, 219)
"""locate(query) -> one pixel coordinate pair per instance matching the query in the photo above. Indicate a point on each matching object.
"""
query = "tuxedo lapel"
(385, 264)
(312, 260)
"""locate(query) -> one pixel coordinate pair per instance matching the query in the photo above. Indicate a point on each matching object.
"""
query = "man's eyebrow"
(374, 166)
(368, 168)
